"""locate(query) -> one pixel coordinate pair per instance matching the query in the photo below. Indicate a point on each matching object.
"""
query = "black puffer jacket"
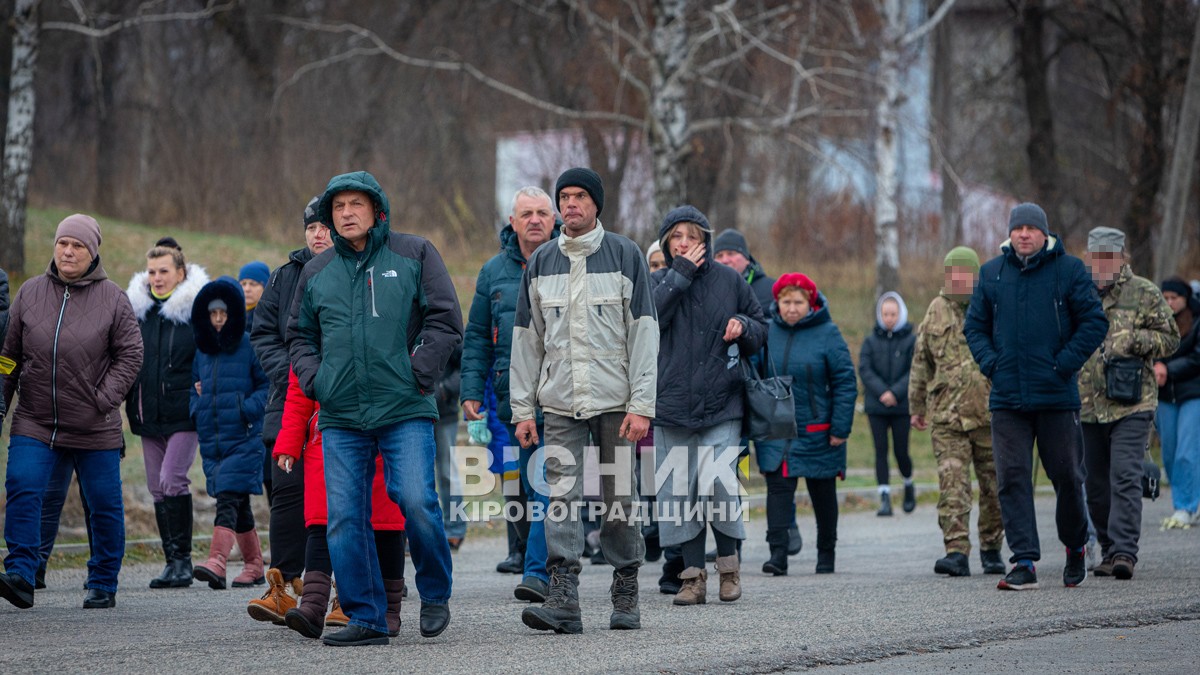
(1183, 367)
(885, 361)
(157, 406)
(699, 383)
(268, 335)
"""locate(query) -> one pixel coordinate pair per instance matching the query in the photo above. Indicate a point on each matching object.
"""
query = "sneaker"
(1075, 572)
(1122, 566)
(1021, 578)
(991, 562)
(1104, 569)
(954, 565)
(885, 504)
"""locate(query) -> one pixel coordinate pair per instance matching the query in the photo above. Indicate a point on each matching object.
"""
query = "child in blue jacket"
(227, 405)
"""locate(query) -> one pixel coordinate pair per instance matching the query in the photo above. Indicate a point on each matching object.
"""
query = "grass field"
(848, 286)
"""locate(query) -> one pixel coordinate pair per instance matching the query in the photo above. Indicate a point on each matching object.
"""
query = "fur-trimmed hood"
(178, 307)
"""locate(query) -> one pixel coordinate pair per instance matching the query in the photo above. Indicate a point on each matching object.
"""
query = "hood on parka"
(685, 214)
(178, 307)
(207, 338)
(359, 181)
(900, 322)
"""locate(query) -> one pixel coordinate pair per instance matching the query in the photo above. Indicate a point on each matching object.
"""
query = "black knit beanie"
(1028, 214)
(583, 178)
(731, 240)
(310, 212)
(1177, 286)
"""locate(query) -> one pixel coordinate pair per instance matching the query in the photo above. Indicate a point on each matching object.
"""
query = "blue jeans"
(409, 453)
(1179, 429)
(30, 466)
(52, 505)
(535, 546)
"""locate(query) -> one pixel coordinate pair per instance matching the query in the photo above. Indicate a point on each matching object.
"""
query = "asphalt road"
(884, 610)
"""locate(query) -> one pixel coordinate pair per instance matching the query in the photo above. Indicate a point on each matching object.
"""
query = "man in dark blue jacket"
(1034, 320)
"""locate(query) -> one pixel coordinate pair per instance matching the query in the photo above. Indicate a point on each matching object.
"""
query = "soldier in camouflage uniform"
(947, 390)
(1115, 432)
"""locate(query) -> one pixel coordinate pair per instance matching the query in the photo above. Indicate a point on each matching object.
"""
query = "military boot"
(560, 613)
(624, 592)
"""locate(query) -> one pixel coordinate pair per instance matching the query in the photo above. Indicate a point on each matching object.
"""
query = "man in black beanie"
(1033, 321)
(590, 181)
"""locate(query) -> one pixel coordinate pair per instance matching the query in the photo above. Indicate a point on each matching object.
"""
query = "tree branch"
(210, 10)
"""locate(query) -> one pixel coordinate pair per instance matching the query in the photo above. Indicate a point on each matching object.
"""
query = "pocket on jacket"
(607, 315)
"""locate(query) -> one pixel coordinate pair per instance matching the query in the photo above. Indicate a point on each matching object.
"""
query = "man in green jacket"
(373, 324)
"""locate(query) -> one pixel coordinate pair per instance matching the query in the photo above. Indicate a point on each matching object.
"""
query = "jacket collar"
(583, 245)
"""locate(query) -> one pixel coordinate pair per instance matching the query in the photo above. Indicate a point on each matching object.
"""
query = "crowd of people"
(335, 385)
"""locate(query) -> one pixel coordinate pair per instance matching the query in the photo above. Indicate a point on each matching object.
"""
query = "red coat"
(300, 435)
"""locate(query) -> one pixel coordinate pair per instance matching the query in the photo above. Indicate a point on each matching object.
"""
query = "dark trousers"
(233, 512)
(781, 505)
(389, 547)
(1058, 437)
(288, 535)
(693, 549)
(899, 426)
(1113, 454)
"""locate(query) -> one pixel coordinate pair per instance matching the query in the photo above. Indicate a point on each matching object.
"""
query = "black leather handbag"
(770, 411)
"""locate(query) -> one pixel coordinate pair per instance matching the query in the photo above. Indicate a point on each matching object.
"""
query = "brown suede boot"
(336, 616)
(695, 587)
(308, 617)
(212, 570)
(276, 602)
(731, 578)
(394, 588)
(252, 569)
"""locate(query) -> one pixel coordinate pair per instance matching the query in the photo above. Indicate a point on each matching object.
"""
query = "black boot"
(825, 561)
(161, 516)
(885, 504)
(560, 613)
(669, 583)
(954, 565)
(777, 565)
(179, 512)
(992, 564)
(910, 497)
(795, 541)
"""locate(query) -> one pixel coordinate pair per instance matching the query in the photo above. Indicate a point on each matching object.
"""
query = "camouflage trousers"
(955, 452)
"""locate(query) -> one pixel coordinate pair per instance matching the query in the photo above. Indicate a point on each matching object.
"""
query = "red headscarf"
(800, 281)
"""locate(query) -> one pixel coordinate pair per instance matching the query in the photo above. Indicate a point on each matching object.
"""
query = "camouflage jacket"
(945, 384)
(1140, 325)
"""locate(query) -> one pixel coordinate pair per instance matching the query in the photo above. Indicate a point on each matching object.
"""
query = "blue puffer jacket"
(824, 387)
(229, 409)
(1031, 328)
(487, 344)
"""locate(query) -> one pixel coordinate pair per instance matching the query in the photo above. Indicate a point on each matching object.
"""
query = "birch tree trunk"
(18, 137)
(668, 109)
(1183, 162)
(887, 235)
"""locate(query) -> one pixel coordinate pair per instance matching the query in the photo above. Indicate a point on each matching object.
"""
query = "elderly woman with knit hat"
(73, 349)
(253, 278)
(803, 342)
(707, 318)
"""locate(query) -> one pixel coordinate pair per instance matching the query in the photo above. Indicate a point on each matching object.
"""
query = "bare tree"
(1183, 167)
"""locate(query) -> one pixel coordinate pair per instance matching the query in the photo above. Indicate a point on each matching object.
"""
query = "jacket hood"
(360, 181)
(685, 214)
(178, 307)
(815, 317)
(95, 273)
(512, 245)
(902, 322)
(207, 338)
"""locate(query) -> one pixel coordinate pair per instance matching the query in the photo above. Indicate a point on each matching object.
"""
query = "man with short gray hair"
(1119, 396)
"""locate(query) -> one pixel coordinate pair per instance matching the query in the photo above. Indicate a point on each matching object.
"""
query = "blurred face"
(792, 304)
(733, 259)
(218, 317)
(890, 313)
(1027, 240)
(959, 281)
(253, 291)
(683, 238)
(533, 220)
(657, 261)
(71, 258)
(577, 209)
(1105, 266)
(316, 237)
(1175, 301)
(164, 276)
(353, 216)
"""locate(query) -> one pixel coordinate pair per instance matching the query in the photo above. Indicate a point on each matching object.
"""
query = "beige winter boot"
(695, 587)
(731, 577)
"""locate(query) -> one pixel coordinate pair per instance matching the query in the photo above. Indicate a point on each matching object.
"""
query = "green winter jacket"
(371, 332)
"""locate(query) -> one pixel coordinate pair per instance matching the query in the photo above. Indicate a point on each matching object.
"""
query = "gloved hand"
(478, 431)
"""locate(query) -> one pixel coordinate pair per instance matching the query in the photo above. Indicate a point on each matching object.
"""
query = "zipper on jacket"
(371, 287)
(812, 401)
(54, 369)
